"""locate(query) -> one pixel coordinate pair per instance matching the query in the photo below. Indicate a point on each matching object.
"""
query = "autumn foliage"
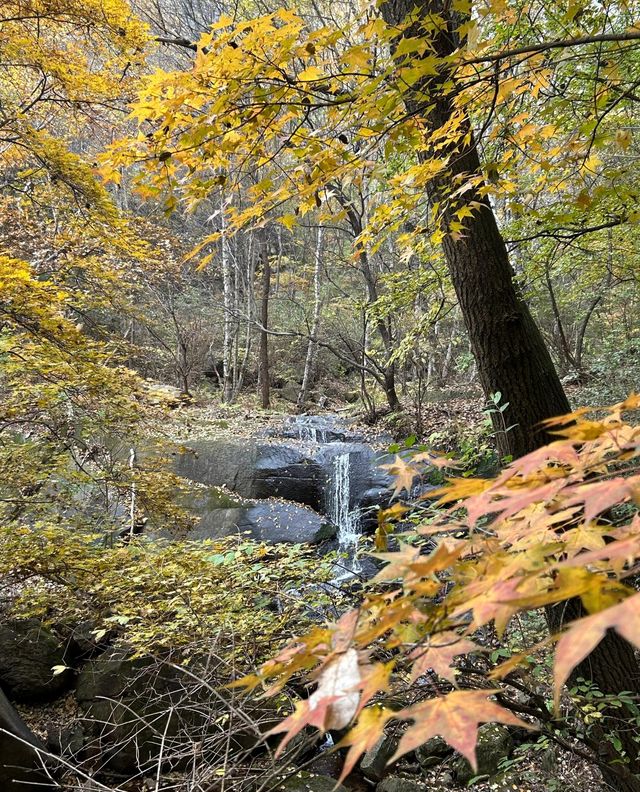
(555, 525)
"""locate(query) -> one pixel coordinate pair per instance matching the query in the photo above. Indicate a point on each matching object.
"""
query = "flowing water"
(341, 495)
(311, 433)
(345, 517)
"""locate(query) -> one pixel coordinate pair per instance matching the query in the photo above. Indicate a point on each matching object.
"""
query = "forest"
(319, 377)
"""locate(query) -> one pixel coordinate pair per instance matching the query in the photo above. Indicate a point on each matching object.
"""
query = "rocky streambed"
(308, 480)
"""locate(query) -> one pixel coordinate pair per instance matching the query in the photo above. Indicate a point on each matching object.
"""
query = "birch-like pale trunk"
(227, 306)
(312, 347)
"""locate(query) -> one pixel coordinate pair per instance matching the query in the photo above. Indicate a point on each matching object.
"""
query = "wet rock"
(28, 653)
(317, 429)
(494, 743)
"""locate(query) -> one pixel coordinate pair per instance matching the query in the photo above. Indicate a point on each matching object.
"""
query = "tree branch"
(631, 35)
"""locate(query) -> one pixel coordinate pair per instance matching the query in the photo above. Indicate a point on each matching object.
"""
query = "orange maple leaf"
(440, 656)
(585, 634)
(404, 474)
(455, 717)
(374, 679)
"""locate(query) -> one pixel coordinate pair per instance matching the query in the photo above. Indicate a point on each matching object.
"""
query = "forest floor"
(206, 417)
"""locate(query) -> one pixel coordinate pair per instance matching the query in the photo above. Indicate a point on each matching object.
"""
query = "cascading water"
(346, 519)
(351, 485)
(311, 433)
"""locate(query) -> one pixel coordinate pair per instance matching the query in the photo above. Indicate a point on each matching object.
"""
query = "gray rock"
(127, 706)
(138, 711)
(433, 752)
(28, 653)
(494, 743)
(20, 767)
(83, 642)
(66, 741)
(266, 520)
(399, 784)
(308, 782)
(373, 764)
(253, 469)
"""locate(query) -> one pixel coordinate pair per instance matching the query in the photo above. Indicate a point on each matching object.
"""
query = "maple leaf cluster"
(541, 532)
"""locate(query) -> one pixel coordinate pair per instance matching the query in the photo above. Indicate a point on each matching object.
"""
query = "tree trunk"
(227, 307)
(510, 352)
(264, 327)
(312, 347)
(507, 345)
(249, 277)
(563, 343)
(384, 329)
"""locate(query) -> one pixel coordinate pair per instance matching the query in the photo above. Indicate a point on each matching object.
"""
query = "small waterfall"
(309, 429)
(346, 519)
(311, 433)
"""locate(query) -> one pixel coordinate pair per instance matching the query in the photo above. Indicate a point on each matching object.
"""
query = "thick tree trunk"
(264, 328)
(507, 345)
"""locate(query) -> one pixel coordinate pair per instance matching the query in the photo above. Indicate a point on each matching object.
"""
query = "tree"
(272, 92)
(508, 347)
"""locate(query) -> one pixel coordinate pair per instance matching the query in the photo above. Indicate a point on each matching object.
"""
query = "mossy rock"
(494, 744)
(308, 782)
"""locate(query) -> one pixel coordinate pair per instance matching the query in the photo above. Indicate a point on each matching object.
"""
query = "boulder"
(66, 741)
(20, 767)
(285, 522)
(494, 743)
(28, 653)
(266, 520)
(139, 711)
(433, 752)
(400, 784)
(253, 469)
(127, 706)
(308, 782)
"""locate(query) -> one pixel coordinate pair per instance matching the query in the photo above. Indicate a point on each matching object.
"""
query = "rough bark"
(506, 343)
(508, 347)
